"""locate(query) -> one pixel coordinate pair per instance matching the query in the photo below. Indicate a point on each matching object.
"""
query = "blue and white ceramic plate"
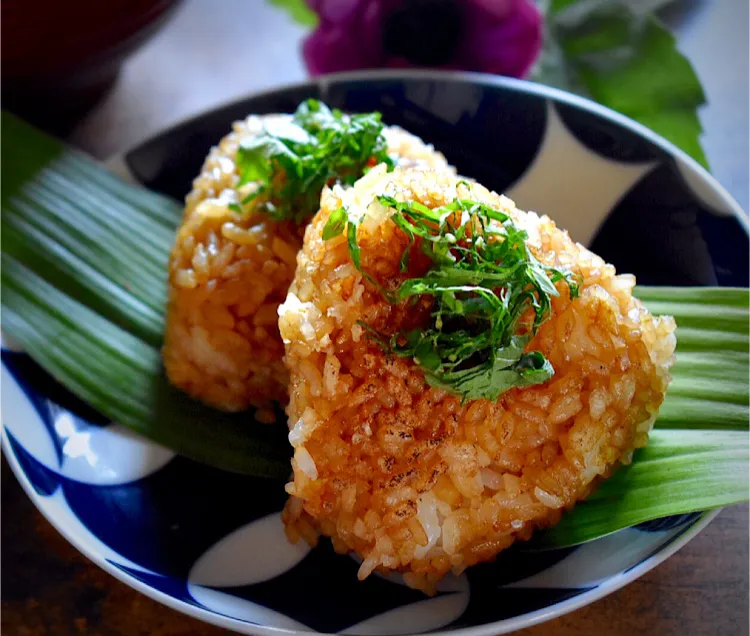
(210, 543)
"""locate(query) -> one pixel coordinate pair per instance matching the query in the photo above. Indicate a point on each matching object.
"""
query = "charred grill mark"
(386, 463)
(400, 478)
(395, 481)
(402, 512)
(434, 476)
(406, 509)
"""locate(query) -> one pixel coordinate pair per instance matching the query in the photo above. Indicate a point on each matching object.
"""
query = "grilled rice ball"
(405, 474)
(228, 273)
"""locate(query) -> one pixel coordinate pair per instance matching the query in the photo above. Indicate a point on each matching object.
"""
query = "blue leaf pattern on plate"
(168, 520)
(176, 588)
(242, 609)
(322, 592)
(43, 480)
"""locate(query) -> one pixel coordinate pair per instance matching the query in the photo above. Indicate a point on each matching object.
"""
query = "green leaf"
(112, 257)
(470, 348)
(620, 55)
(298, 11)
(293, 161)
(697, 457)
(487, 381)
(336, 224)
(425, 355)
(121, 377)
(676, 473)
(351, 237)
(254, 158)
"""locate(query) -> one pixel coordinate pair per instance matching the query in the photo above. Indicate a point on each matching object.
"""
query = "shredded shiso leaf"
(483, 280)
(84, 260)
(318, 147)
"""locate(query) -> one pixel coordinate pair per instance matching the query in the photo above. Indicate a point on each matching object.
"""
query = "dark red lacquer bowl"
(60, 56)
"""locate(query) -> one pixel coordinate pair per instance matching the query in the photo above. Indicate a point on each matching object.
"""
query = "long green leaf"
(678, 472)
(697, 457)
(711, 386)
(94, 237)
(122, 377)
(83, 277)
(84, 260)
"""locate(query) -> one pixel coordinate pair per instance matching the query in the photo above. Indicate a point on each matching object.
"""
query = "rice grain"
(228, 274)
(475, 476)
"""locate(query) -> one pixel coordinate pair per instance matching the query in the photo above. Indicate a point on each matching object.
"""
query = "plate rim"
(117, 164)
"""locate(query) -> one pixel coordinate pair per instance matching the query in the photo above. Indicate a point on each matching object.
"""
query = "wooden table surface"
(213, 52)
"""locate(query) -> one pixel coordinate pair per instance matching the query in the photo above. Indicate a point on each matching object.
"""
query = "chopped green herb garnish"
(318, 147)
(484, 281)
(335, 224)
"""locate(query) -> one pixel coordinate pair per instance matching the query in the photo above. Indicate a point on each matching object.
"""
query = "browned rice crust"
(404, 474)
(229, 272)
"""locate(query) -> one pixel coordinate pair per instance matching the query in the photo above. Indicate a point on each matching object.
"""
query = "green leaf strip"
(122, 377)
(677, 473)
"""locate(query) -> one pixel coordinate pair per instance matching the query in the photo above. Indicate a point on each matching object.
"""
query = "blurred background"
(110, 74)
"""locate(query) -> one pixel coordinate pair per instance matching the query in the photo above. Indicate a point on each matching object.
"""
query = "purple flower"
(492, 36)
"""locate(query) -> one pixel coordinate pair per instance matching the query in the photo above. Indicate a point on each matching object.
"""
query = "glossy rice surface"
(408, 476)
(228, 273)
